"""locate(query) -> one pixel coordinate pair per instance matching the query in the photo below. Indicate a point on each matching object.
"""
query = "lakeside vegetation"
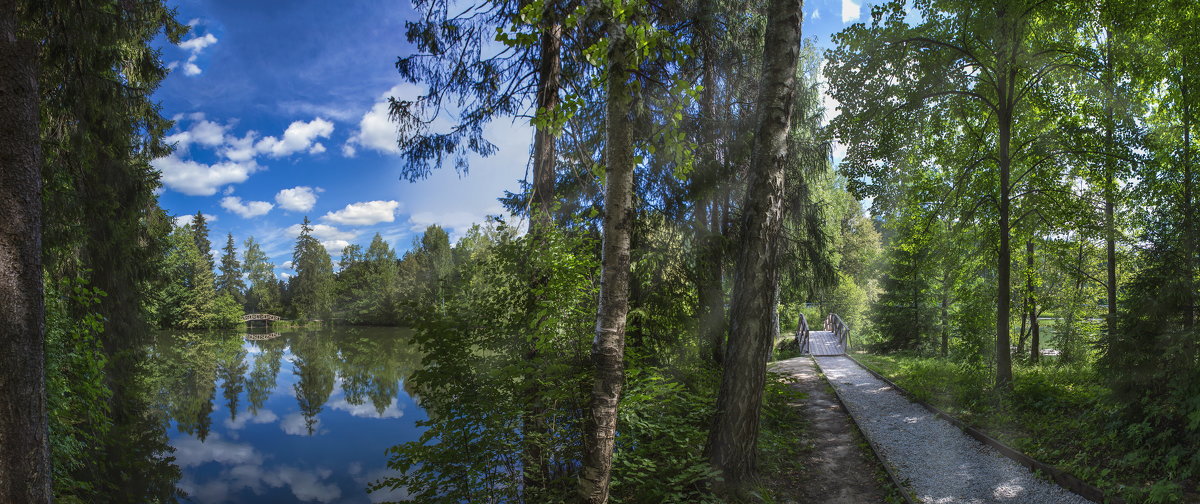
(1005, 161)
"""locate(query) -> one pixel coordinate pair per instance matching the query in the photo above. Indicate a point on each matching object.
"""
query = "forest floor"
(836, 465)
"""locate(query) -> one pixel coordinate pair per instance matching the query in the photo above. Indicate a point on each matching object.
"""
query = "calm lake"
(285, 417)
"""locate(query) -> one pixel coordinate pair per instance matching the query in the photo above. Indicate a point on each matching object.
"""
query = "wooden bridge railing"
(841, 331)
(802, 335)
(259, 316)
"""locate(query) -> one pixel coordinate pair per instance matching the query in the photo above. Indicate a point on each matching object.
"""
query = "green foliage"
(1064, 415)
(312, 288)
(781, 426)
(476, 382)
(230, 280)
(77, 397)
(663, 429)
(200, 235)
(367, 284)
(190, 300)
(263, 296)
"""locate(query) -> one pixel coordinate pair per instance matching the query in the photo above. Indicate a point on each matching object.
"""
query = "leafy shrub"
(663, 426)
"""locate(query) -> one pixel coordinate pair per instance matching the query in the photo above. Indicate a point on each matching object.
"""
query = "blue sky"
(281, 113)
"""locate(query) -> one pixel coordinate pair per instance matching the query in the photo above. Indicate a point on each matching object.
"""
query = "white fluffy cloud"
(240, 149)
(816, 14)
(324, 232)
(203, 132)
(850, 11)
(334, 247)
(299, 136)
(297, 199)
(199, 179)
(195, 46)
(375, 130)
(247, 209)
(365, 213)
(184, 220)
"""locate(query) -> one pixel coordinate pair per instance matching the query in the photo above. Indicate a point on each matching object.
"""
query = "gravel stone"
(942, 465)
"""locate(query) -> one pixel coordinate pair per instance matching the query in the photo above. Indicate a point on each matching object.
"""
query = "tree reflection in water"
(343, 391)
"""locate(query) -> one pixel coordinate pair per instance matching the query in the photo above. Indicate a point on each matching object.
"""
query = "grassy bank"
(1060, 415)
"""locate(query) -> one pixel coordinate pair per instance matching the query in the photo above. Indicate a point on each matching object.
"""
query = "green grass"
(1060, 415)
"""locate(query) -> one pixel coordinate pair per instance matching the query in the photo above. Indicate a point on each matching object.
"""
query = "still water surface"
(293, 417)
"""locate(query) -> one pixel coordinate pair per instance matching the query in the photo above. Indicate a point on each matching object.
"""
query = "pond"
(285, 417)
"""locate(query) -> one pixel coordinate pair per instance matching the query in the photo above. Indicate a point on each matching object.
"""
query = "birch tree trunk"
(754, 323)
(24, 441)
(608, 348)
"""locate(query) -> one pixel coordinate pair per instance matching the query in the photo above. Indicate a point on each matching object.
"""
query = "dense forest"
(1002, 207)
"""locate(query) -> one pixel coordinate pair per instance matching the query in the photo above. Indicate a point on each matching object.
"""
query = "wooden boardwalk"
(825, 343)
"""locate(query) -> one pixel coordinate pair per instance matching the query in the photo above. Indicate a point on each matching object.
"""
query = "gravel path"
(941, 464)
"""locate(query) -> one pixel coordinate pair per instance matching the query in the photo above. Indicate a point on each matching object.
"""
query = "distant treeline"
(371, 286)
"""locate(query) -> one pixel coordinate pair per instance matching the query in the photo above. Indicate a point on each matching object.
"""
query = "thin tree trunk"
(1029, 307)
(1022, 334)
(1110, 227)
(1189, 219)
(24, 438)
(545, 145)
(608, 348)
(536, 466)
(946, 312)
(1035, 332)
(754, 326)
(1004, 268)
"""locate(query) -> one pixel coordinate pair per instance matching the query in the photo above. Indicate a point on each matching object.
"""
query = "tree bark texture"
(754, 325)
(545, 152)
(536, 466)
(608, 347)
(24, 441)
(1004, 119)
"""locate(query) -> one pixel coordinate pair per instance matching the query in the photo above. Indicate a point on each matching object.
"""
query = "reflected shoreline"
(283, 416)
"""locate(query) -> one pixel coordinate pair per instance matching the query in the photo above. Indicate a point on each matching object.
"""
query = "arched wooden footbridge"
(834, 340)
(264, 318)
(260, 316)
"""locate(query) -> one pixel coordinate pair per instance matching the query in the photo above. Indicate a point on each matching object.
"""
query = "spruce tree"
(200, 234)
(230, 282)
(262, 296)
(313, 285)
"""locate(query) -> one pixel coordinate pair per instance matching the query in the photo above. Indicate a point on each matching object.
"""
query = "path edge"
(1061, 478)
(887, 466)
